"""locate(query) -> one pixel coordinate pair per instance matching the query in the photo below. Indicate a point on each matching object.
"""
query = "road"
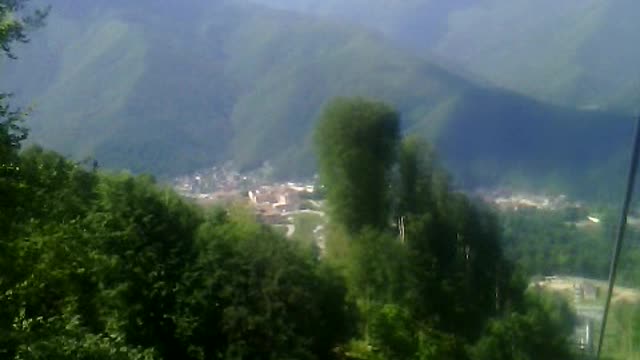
(316, 212)
(291, 229)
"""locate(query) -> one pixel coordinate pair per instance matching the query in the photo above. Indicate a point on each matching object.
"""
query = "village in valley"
(297, 207)
(293, 207)
(505, 199)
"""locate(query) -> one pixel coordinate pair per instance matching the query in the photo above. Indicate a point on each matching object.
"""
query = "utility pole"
(631, 181)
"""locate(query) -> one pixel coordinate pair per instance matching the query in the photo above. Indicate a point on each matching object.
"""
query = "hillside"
(180, 89)
(574, 52)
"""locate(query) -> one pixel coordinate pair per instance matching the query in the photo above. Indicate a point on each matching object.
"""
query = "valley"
(237, 84)
(294, 179)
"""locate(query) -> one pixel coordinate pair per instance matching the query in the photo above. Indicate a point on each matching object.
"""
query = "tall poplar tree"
(356, 142)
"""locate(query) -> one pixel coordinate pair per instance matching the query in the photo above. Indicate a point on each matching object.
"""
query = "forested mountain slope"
(180, 88)
(578, 53)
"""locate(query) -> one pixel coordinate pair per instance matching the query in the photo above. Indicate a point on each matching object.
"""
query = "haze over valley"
(187, 87)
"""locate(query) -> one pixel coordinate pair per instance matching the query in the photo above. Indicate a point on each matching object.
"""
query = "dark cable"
(620, 232)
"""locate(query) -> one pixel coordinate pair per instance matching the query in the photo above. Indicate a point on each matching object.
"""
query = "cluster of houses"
(274, 202)
(506, 200)
(222, 185)
(216, 180)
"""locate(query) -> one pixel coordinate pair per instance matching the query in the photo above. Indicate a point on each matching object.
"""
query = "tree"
(453, 247)
(13, 28)
(447, 251)
(356, 142)
(105, 266)
(51, 268)
(147, 233)
(418, 174)
(12, 131)
(541, 331)
(254, 294)
(11, 188)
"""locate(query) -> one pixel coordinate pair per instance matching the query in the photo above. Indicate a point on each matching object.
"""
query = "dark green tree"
(418, 175)
(147, 233)
(14, 28)
(356, 144)
(15, 23)
(541, 331)
(453, 247)
(253, 294)
(49, 304)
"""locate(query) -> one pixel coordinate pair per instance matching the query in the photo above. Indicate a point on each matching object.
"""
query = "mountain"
(152, 86)
(577, 53)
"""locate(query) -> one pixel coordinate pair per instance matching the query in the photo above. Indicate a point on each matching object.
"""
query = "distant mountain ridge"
(168, 89)
(578, 53)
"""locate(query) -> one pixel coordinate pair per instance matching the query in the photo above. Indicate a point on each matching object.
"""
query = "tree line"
(422, 262)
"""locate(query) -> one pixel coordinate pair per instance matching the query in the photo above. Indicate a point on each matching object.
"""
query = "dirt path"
(291, 229)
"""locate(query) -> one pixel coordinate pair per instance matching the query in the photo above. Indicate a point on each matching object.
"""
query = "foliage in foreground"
(111, 266)
(423, 263)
